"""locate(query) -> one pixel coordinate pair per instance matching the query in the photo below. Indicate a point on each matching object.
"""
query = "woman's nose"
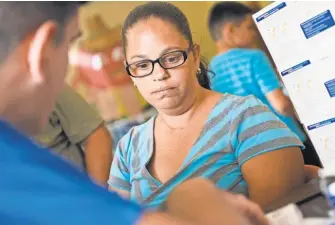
(159, 73)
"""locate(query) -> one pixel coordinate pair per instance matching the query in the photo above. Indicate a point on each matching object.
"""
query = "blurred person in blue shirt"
(241, 70)
(36, 186)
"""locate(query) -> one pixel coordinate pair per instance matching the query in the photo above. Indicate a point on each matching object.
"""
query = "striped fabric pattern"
(246, 72)
(237, 129)
(119, 128)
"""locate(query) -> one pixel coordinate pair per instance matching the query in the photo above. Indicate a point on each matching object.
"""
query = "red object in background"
(100, 70)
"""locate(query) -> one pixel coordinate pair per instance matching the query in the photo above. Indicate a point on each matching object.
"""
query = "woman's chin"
(168, 103)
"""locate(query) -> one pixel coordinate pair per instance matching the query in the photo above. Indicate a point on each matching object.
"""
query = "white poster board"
(300, 37)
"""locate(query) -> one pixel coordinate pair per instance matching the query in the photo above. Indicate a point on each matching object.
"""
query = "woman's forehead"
(154, 34)
(154, 29)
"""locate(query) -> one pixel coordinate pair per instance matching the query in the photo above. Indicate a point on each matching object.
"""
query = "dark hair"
(18, 19)
(170, 13)
(224, 12)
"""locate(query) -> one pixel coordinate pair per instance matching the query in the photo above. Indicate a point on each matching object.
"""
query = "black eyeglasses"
(169, 60)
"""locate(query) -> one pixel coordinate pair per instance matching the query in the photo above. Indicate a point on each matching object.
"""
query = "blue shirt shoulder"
(38, 187)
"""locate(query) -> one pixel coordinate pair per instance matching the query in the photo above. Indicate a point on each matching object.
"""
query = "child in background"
(241, 70)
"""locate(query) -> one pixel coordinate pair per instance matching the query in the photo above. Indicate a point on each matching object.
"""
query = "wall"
(115, 12)
(197, 12)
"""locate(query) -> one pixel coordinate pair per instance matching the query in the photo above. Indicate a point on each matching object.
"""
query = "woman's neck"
(178, 121)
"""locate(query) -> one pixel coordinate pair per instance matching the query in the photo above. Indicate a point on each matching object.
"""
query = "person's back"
(233, 73)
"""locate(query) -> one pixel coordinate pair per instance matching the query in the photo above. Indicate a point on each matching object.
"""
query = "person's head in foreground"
(34, 42)
(227, 139)
(231, 25)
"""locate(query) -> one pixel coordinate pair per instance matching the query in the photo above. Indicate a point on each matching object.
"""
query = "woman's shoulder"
(234, 102)
(233, 109)
(248, 105)
(236, 109)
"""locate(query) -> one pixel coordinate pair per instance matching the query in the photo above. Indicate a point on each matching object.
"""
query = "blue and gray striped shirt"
(237, 129)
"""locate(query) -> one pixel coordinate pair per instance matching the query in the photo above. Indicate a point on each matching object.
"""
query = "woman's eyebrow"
(170, 49)
(162, 53)
(139, 56)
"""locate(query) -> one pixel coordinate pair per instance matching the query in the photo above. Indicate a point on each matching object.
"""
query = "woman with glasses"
(236, 142)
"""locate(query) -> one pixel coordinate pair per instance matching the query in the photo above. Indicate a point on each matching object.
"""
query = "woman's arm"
(201, 202)
(273, 174)
(267, 151)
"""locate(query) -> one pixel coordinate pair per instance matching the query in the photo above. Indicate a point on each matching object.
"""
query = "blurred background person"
(97, 73)
(76, 132)
(241, 70)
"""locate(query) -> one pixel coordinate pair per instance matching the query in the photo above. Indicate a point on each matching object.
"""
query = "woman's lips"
(162, 89)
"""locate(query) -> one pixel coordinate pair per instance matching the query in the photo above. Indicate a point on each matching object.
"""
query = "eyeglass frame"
(185, 53)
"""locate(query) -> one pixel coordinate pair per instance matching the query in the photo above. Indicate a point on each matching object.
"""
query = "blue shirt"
(37, 187)
(248, 71)
(237, 130)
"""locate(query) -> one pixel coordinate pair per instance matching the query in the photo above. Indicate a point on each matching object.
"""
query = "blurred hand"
(248, 209)
(199, 201)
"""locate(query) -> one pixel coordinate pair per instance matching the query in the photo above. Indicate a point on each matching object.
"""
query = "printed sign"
(330, 85)
(317, 24)
(321, 124)
(270, 12)
(295, 68)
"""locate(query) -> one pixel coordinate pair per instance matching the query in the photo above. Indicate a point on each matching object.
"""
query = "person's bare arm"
(280, 102)
(273, 174)
(269, 84)
(200, 201)
(98, 155)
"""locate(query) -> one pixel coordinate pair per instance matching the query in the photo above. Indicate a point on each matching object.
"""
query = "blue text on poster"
(330, 85)
(321, 124)
(317, 24)
(295, 68)
(270, 12)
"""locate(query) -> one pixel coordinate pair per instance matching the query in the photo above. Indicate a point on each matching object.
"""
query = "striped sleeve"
(119, 177)
(263, 72)
(256, 130)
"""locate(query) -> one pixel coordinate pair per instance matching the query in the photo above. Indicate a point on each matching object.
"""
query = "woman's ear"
(196, 53)
(196, 49)
(39, 49)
